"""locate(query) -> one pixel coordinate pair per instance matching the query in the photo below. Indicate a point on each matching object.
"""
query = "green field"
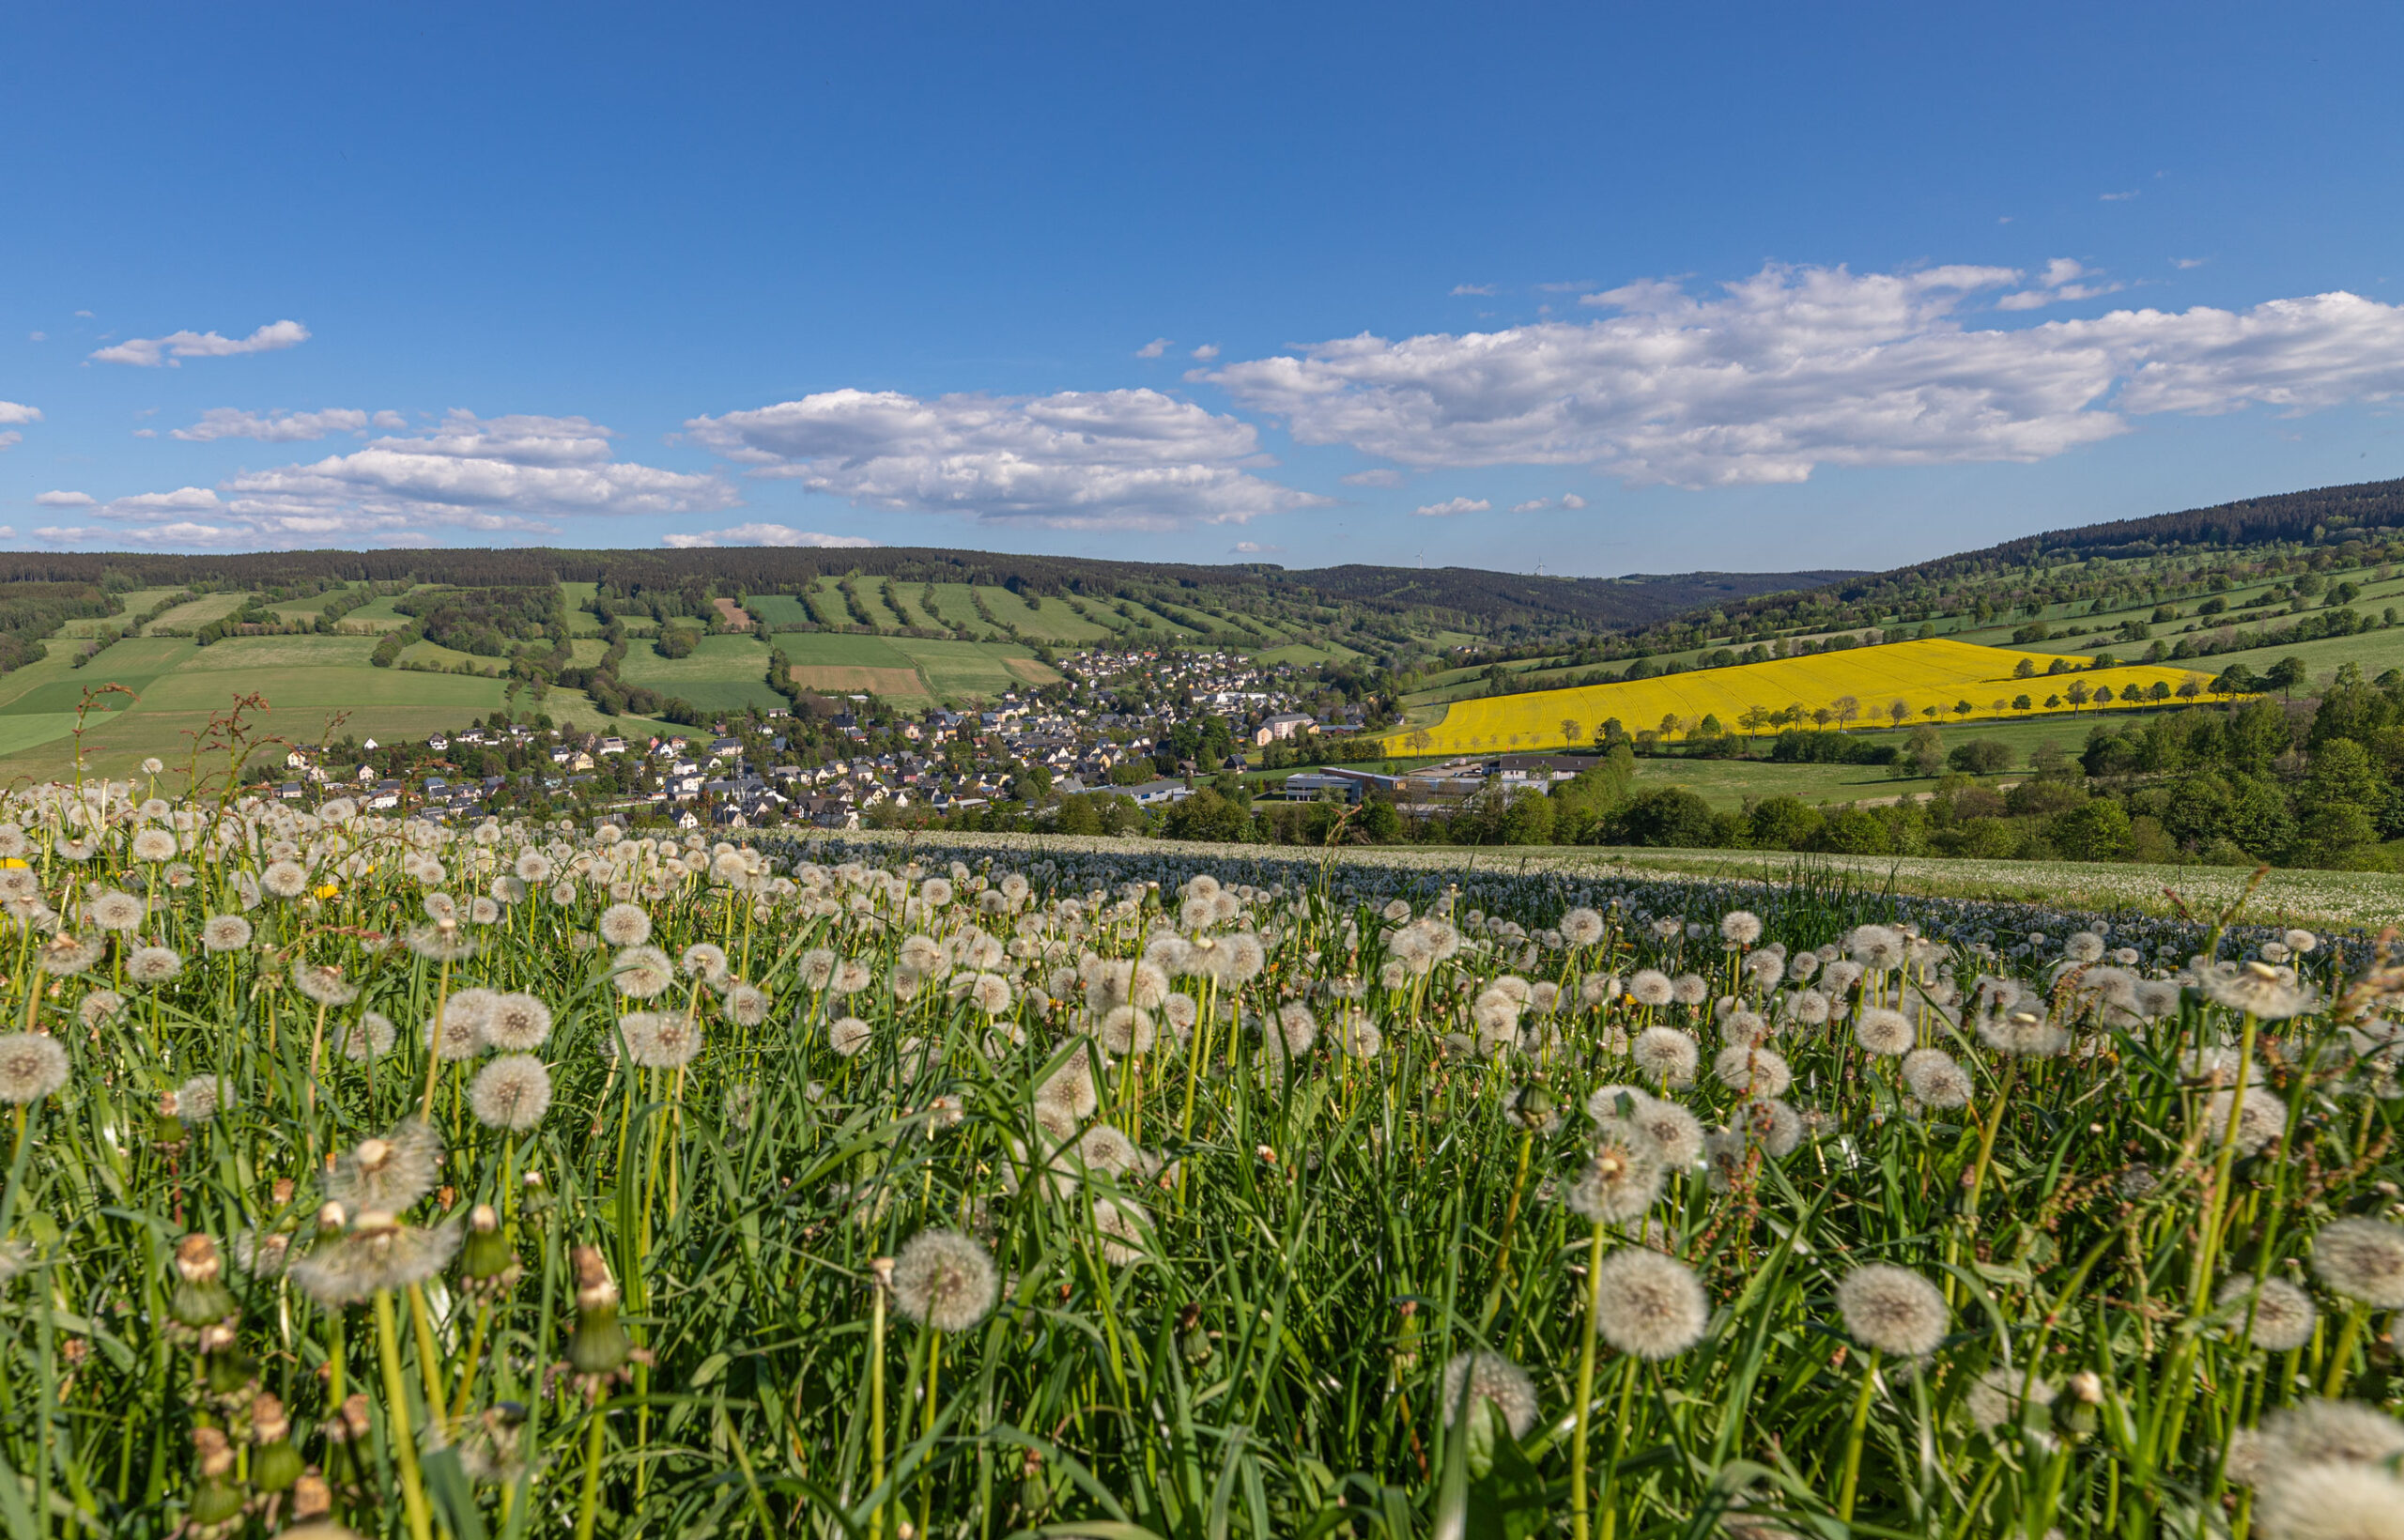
(724, 673)
(377, 615)
(200, 611)
(131, 605)
(957, 605)
(773, 609)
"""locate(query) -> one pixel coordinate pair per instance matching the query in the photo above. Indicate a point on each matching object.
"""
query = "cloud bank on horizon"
(1757, 381)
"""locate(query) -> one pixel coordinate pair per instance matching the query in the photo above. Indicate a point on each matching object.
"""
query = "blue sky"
(1603, 290)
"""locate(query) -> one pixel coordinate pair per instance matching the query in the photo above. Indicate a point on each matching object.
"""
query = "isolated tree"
(2284, 676)
(2053, 702)
(2025, 669)
(2078, 695)
(1755, 717)
(1570, 728)
(1848, 710)
(2021, 702)
(1963, 708)
(2103, 695)
(1898, 712)
(2161, 690)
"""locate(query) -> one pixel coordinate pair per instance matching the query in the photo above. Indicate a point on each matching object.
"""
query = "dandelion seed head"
(1936, 1079)
(152, 966)
(642, 972)
(1497, 1382)
(1649, 1305)
(1884, 1031)
(512, 1092)
(32, 1066)
(623, 925)
(1893, 1310)
(2283, 1313)
(1666, 1054)
(2320, 1432)
(517, 1022)
(1126, 1230)
(202, 1098)
(387, 1174)
(943, 1280)
(2362, 1259)
(1755, 1071)
(848, 1035)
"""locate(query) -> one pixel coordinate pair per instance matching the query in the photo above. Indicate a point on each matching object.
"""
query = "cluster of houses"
(1112, 724)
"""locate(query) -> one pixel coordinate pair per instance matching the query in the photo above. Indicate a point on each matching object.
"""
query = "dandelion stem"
(1585, 1385)
(587, 1506)
(1853, 1438)
(399, 1434)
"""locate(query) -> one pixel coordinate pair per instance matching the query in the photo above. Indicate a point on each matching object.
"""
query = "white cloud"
(83, 315)
(36, 336)
(1098, 459)
(66, 499)
(1571, 500)
(1487, 289)
(1450, 506)
(2058, 282)
(10, 439)
(1374, 478)
(286, 427)
(763, 534)
(2118, 197)
(465, 473)
(146, 433)
(1208, 351)
(1155, 348)
(11, 411)
(2184, 263)
(1534, 505)
(1798, 367)
(172, 348)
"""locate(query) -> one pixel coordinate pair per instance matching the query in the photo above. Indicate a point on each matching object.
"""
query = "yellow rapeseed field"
(1903, 682)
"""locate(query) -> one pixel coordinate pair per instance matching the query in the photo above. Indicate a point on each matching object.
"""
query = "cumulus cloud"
(1571, 500)
(2061, 280)
(1208, 351)
(466, 474)
(286, 427)
(1251, 548)
(1534, 505)
(1798, 367)
(12, 412)
(1155, 348)
(1450, 506)
(1459, 289)
(763, 534)
(66, 499)
(176, 346)
(1079, 459)
(1374, 478)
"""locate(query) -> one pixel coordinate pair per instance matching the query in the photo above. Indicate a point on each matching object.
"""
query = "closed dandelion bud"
(200, 1295)
(276, 1466)
(488, 1265)
(1191, 1340)
(216, 1508)
(600, 1345)
(167, 1130)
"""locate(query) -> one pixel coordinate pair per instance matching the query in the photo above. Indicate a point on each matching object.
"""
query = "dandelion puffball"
(1648, 1304)
(1494, 1380)
(1893, 1310)
(943, 1280)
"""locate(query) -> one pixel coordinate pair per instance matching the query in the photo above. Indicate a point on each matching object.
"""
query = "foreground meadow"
(384, 1178)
